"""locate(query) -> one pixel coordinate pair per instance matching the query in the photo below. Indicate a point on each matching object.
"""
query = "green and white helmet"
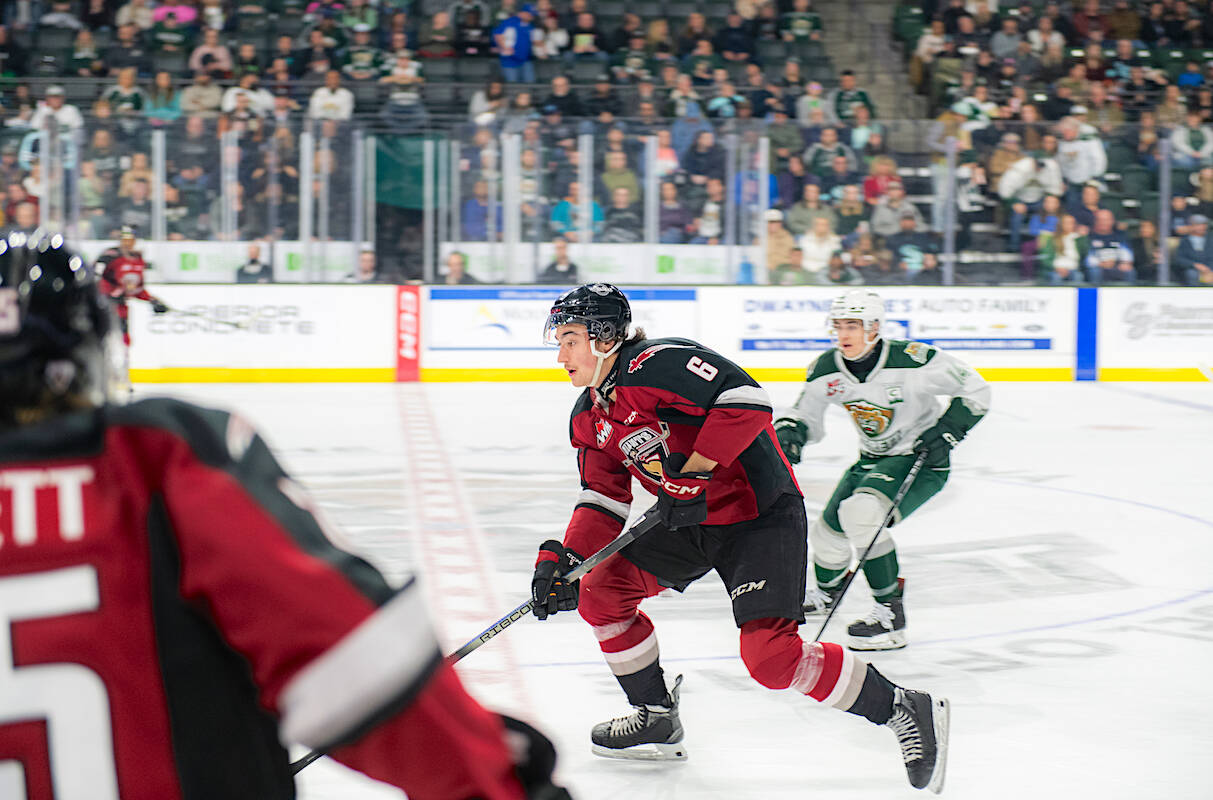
(860, 304)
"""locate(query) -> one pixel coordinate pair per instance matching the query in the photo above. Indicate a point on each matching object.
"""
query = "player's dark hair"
(637, 335)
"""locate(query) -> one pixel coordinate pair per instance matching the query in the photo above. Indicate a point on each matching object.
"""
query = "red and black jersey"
(171, 610)
(673, 396)
(122, 275)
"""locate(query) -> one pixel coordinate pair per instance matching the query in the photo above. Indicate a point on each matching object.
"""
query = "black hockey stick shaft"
(647, 521)
(207, 317)
(897, 498)
(643, 525)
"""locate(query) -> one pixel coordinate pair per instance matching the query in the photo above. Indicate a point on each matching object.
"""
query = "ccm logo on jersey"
(648, 352)
(752, 586)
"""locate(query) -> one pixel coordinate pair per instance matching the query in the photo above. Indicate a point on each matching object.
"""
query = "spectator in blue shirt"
(513, 39)
(475, 215)
(566, 214)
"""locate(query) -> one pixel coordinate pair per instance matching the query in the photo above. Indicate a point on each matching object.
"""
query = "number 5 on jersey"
(70, 697)
(701, 368)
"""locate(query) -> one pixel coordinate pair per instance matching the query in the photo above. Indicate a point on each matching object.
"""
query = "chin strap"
(602, 357)
(866, 350)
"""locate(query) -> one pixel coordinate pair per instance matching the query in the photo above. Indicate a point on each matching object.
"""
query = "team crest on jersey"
(602, 432)
(918, 351)
(644, 448)
(647, 353)
(872, 419)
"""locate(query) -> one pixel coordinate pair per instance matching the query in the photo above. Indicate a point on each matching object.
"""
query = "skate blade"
(674, 751)
(885, 641)
(941, 713)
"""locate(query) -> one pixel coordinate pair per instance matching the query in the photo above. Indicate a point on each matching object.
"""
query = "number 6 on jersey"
(701, 368)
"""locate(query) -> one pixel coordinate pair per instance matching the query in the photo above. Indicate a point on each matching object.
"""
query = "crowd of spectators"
(1059, 114)
(1045, 104)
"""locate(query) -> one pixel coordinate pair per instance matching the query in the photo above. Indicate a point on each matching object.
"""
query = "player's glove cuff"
(550, 591)
(792, 435)
(684, 495)
(937, 442)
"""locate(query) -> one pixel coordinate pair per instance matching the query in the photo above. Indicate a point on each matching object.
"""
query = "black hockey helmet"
(600, 307)
(53, 324)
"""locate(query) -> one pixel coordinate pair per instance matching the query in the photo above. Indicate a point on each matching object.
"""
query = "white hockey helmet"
(860, 304)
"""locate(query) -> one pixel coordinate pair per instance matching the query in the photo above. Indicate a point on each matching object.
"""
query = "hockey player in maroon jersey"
(121, 269)
(172, 613)
(696, 431)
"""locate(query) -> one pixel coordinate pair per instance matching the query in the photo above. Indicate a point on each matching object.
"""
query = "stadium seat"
(677, 9)
(442, 98)
(1136, 180)
(772, 52)
(546, 70)
(586, 71)
(172, 63)
(475, 70)
(366, 96)
(611, 8)
(54, 38)
(439, 70)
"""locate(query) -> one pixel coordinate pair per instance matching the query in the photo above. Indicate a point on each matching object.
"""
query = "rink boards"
(338, 333)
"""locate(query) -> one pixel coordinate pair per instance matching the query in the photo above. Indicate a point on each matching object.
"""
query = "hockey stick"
(647, 521)
(208, 318)
(897, 498)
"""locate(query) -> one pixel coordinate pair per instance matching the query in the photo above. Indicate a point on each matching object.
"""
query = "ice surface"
(1059, 590)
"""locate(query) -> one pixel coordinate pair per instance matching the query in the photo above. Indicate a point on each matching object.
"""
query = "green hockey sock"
(828, 578)
(881, 573)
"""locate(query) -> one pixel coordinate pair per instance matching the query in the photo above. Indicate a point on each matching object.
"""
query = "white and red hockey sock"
(630, 649)
(831, 674)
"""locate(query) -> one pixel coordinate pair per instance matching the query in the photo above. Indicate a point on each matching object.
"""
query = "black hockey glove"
(937, 442)
(684, 495)
(159, 307)
(549, 589)
(792, 435)
(534, 760)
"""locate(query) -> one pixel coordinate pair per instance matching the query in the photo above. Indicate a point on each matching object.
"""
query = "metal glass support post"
(427, 204)
(511, 148)
(358, 178)
(728, 237)
(759, 273)
(159, 230)
(585, 201)
(307, 156)
(1164, 210)
(949, 215)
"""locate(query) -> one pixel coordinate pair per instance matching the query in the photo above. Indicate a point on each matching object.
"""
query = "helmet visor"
(558, 318)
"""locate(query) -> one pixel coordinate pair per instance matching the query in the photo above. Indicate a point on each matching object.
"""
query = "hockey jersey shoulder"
(651, 353)
(905, 354)
(214, 436)
(826, 364)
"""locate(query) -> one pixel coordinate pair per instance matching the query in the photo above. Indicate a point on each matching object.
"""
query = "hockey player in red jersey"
(172, 613)
(121, 269)
(696, 431)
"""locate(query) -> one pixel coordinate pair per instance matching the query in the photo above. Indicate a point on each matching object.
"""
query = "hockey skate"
(921, 724)
(818, 601)
(650, 733)
(884, 627)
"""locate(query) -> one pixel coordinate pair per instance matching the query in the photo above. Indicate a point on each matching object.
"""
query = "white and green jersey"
(897, 401)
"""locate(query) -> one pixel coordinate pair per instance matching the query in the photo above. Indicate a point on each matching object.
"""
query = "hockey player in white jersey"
(891, 390)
